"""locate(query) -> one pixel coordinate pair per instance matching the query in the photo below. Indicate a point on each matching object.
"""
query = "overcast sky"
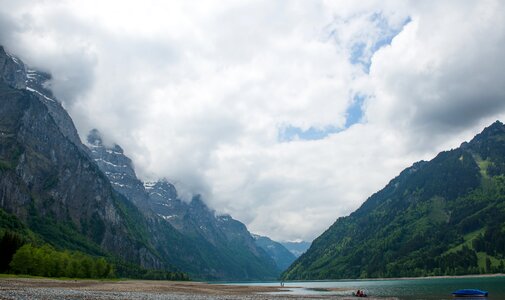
(284, 114)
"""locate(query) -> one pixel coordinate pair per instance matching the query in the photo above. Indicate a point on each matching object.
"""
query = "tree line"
(18, 256)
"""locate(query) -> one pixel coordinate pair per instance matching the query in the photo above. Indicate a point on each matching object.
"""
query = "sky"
(285, 114)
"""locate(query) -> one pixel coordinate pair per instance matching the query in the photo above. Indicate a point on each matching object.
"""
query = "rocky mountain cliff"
(49, 182)
(215, 247)
(16, 75)
(119, 169)
(440, 217)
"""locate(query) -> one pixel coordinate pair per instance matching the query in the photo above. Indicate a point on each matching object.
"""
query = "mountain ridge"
(436, 217)
(89, 199)
(220, 246)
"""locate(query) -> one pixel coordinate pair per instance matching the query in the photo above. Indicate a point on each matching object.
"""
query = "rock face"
(438, 217)
(189, 234)
(283, 257)
(48, 180)
(13, 70)
(15, 74)
(228, 246)
(197, 220)
(119, 169)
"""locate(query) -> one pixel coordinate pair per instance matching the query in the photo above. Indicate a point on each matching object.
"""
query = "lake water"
(408, 289)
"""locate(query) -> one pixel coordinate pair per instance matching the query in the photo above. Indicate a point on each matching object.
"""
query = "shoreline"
(45, 288)
(395, 278)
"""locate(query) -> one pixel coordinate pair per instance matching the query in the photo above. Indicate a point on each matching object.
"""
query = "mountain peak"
(161, 190)
(197, 201)
(496, 128)
(495, 131)
(95, 140)
(95, 137)
(497, 123)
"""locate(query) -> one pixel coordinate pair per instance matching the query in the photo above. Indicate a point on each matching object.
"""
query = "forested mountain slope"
(441, 217)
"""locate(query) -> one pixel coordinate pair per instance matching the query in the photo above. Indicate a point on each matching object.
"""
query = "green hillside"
(442, 217)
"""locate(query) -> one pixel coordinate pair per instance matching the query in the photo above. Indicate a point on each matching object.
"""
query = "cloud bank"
(285, 114)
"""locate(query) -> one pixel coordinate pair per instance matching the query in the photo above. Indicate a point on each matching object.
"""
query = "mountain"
(297, 248)
(57, 192)
(207, 246)
(283, 257)
(440, 217)
(49, 182)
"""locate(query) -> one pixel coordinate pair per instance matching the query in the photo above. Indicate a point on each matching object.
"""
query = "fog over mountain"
(284, 114)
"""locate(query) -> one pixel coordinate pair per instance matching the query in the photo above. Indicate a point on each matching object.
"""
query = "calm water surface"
(408, 289)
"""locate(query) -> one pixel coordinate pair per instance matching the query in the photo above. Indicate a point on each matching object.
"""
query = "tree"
(488, 265)
(9, 244)
(22, 261)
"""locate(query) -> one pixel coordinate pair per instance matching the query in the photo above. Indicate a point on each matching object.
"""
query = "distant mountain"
(207, 246)
(283, 257)
(441, 217)
(297, 248)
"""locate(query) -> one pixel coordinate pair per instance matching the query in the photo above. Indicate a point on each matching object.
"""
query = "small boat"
(470, 293)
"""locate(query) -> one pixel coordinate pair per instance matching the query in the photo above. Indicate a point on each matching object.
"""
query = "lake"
(408, 289)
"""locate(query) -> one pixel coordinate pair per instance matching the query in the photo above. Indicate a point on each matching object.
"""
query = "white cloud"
(198, 92)
(445, 76)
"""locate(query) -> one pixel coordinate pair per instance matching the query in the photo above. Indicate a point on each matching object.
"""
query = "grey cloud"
(7, 28)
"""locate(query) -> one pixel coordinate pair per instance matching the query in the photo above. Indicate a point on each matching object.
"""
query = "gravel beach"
(38, 289)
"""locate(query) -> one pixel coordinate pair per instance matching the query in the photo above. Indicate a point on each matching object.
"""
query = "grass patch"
(483, 165)
(437, 213)
(3, 275)
(468, 241)
(481, 260)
